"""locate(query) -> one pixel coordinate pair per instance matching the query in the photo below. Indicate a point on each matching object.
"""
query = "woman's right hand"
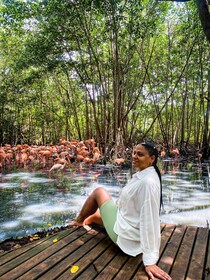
(155, 272)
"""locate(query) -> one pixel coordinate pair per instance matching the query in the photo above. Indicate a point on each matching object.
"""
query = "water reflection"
(30, 202)
(186, 192)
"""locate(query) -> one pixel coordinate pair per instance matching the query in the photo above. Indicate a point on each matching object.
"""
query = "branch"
(172, 92)
(143, 82)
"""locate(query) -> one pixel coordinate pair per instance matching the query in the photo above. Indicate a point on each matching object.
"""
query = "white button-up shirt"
(138, 223)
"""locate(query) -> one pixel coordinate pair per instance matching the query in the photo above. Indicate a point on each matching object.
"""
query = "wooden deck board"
(197, 262)
(181, 263)
(8, 256)
(129, 268)
(22, 263)
(56, 253)
(100, 263)
(88, 258)
(111, 270)
(207, 266)
(170, 251)
(71, 259)
(166, 234)
(184, 254)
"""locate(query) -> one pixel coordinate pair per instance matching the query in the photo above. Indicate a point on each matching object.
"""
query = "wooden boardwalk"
(184, 254)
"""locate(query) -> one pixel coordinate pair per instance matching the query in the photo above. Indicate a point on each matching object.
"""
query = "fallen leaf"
(17, 246)
(74, 268)
(55, 240)
(36, 237)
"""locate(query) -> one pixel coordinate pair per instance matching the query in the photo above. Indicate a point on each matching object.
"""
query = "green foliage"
(93, 68)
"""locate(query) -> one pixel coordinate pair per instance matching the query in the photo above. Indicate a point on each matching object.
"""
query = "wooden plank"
(113, 267)
(100, 263)
(53, 254)
(88, 274)
(8, 256)
(172, 248)
(20, 258)
(106, 257)
(2, 253)
(129, 268)
(70, 260)
(57, 256)
(88, 258)
(207, 265)
(23, 263)
(196, 267)
(182, 260)
(165, 237)
(98, 258)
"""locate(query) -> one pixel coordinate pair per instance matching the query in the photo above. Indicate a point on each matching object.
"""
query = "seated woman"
(133, 222)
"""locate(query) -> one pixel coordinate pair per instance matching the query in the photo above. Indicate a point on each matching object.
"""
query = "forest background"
(116, 71)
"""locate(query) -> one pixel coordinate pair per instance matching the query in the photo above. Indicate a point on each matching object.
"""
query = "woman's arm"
(150, 230)
(150, 221)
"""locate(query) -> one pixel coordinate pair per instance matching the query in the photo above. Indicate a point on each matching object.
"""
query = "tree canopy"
(117, 71)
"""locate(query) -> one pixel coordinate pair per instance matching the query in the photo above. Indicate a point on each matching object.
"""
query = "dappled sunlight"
(166, 261)
(45, 208)
(194, 217)
(8, 185)
(10, 224)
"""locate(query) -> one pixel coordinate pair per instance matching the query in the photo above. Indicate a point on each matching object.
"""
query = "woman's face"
(141, 158)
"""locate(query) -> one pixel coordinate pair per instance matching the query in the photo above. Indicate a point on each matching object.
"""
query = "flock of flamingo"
(57, 157)
(52, 157)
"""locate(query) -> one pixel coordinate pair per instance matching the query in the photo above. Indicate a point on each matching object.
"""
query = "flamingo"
(162, 154)
(174, 151)
(57, 167)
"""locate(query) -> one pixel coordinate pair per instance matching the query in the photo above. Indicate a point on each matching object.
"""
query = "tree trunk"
(203, 10)
(205, 144)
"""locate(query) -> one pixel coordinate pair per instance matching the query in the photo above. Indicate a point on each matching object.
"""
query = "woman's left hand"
(155, 272)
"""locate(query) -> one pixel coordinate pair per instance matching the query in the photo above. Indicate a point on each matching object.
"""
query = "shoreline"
(15, 243)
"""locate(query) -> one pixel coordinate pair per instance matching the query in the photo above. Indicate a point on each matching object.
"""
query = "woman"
(133, 223)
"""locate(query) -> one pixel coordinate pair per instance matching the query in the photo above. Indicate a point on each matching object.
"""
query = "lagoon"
(34, 201)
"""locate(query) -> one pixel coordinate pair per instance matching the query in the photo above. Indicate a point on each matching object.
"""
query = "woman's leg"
(94, 219)
(108, 213)
(98, 197)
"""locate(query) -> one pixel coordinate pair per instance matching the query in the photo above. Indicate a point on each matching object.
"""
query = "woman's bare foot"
(94, 218)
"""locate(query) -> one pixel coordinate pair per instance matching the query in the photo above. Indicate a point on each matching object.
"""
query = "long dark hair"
(152, 150)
